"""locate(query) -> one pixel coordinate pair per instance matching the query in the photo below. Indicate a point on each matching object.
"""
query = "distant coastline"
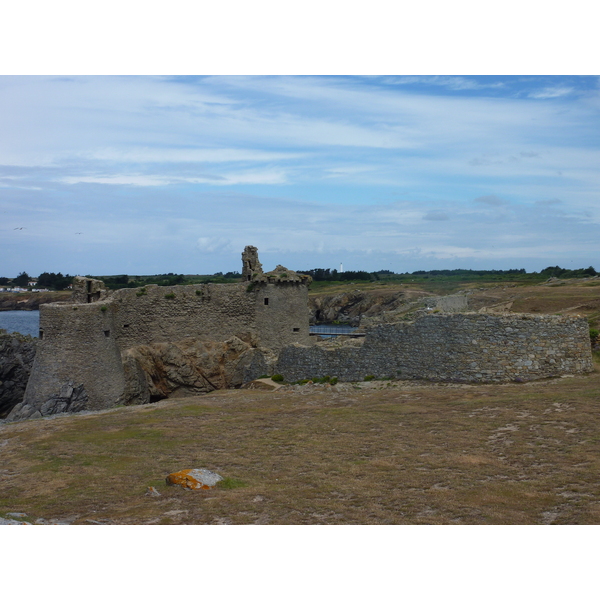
(29, 300)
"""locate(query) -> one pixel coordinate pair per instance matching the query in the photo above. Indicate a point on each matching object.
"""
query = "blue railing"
(333, 330)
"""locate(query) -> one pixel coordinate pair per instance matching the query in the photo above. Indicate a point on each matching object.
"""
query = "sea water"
(26, 322)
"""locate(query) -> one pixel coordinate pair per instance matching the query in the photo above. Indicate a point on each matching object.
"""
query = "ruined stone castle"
(92, 352)
(140, 345)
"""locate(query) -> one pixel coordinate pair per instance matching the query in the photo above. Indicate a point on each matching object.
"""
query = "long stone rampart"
(465, 347)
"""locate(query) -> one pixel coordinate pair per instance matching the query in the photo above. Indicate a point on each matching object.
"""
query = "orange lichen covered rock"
(194, 479)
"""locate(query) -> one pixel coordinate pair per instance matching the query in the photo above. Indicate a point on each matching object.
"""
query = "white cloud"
(258, 177)
(201, 155)
(551, 92)
(453, 83)
(137, 180)
(213, 244)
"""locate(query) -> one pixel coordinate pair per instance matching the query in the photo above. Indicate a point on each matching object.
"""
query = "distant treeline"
(456, 274)
(51, 281)
(58, 281)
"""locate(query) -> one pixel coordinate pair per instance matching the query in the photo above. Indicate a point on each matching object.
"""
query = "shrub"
(369, 377)
(141, 292)
(103, 308)
(170, 296)
(333, 380)
(594, 333)
(277, 377)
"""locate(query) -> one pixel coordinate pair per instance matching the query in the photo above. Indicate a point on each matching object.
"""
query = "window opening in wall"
(266, 302)
(296, 330)
(89, 292)
(106, 333)
(126, 326)
(41, 334)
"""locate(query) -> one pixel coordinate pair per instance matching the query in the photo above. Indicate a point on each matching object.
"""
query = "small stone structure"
(86, 290)
(466, 347)
(448, 304)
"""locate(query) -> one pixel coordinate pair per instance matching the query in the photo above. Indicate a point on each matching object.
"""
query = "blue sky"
(142, 175)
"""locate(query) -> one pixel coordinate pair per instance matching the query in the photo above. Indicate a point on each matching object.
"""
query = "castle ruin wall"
(464, 347)
(84, 343)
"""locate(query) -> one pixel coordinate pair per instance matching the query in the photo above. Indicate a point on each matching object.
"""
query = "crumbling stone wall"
(462, 348)
(85, 345)
(86, 290)
(449, 304)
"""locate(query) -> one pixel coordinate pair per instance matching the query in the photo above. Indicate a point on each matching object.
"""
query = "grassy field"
(372, 453)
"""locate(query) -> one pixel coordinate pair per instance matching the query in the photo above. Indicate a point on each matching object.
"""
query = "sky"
(106, 175)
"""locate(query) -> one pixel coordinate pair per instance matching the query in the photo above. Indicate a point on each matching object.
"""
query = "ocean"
(26, 322)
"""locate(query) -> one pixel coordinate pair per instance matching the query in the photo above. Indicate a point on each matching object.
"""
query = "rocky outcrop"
(16, 359)
(70, 398)
(351, 307)
(30, 300)
(157, 371)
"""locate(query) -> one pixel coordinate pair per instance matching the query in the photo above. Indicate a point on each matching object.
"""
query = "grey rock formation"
(356, 307)
(4, 521)
(16, 359)
(70, 398)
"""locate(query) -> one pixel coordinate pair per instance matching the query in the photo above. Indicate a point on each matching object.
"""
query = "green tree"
(22, 280)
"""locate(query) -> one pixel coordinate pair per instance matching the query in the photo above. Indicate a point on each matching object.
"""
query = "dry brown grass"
(378, 452)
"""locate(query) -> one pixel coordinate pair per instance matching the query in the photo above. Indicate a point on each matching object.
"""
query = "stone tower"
(250, 263)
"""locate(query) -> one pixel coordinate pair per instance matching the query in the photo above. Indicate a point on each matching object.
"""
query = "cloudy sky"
(143, 175)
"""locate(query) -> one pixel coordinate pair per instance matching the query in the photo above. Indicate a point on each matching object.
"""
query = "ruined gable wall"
(464, 347)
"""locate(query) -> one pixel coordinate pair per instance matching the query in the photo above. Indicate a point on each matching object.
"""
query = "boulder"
(157, 371)
(194, 479)
(4, 521)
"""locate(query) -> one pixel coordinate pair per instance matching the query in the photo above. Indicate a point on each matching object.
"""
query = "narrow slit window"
(41, 334)
(266, 302)
(106, 333)
(296, 330)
